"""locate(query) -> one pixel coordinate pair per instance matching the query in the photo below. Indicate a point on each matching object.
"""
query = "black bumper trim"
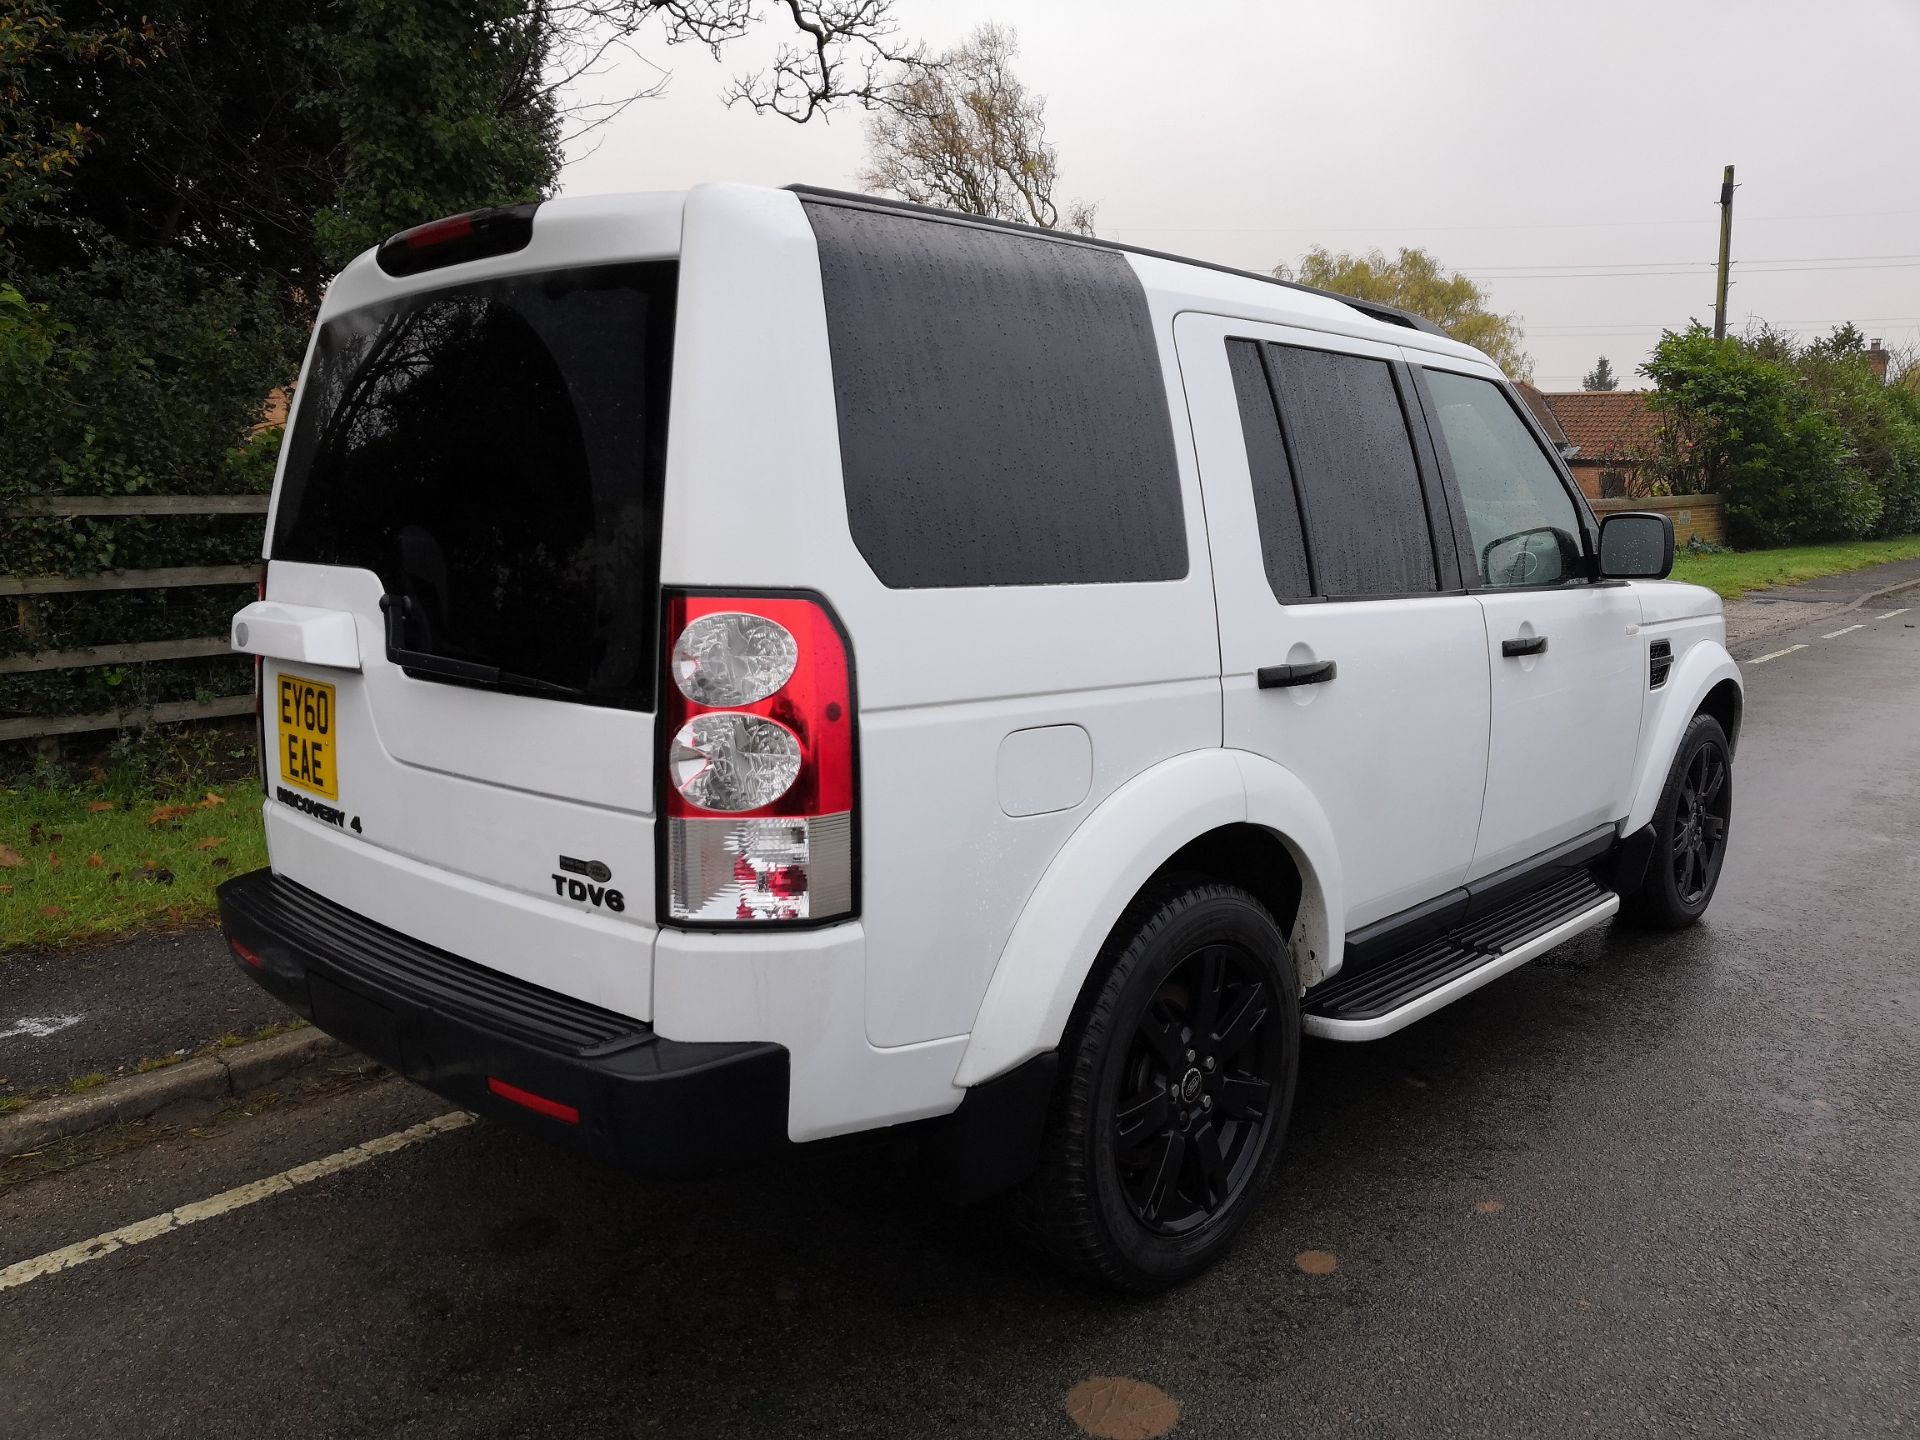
(648, 1104)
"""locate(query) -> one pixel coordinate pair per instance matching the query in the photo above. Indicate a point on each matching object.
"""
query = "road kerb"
(218, 1076)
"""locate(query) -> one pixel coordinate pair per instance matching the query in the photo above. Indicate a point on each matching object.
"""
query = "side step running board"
(1395, 993)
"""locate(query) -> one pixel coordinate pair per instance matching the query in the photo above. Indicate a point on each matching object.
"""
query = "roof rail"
(1371, 309)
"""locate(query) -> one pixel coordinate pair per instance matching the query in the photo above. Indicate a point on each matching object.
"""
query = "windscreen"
(494, 453)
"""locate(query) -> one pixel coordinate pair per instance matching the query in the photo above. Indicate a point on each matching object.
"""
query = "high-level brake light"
(758, 728)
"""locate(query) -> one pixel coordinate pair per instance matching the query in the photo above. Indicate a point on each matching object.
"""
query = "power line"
(1550, 225)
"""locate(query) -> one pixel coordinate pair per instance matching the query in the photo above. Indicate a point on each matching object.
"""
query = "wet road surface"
(1644, 1186)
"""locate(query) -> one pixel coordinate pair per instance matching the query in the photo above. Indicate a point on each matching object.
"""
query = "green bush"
(1796, 441)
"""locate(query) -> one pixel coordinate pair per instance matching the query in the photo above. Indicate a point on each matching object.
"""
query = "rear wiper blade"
(396, 608)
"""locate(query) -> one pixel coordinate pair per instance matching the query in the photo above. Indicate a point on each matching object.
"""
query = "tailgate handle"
(303, 634)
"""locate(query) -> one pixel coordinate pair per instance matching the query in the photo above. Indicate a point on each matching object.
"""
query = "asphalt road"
(1644, 1186)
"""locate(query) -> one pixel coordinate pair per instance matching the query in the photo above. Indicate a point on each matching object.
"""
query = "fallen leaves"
(96, 860)
(210, 842)
(10, 858)
(1490, 1207)
(167, 814)
(1116, 1408)
(52, 912)
(101, 807)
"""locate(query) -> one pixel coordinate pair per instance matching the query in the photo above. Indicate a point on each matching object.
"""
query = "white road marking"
(1891, 613)
(1775, 655)
(1836, 634)
(40, 1026)
(141, 1231)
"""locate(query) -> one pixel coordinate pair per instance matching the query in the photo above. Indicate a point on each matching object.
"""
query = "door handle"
(1279, 677)
(1532, 645)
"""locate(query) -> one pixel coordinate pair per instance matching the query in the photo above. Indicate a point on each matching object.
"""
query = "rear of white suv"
(461, 673)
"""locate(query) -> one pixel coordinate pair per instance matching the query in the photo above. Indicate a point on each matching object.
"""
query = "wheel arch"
(1704, 679)
(1224, 814)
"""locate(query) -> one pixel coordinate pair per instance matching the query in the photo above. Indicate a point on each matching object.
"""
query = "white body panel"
(944, 675)
(1394, 747)
(1566, 723)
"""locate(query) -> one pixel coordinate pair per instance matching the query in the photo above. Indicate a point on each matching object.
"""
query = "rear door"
(1332, 547)
(1564, 652)
(474, 475)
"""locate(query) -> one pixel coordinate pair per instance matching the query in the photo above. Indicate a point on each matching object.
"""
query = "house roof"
(1542, 411)
(1604, 422)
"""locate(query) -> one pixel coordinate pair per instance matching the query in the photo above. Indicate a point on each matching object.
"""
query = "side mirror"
(1636, 545)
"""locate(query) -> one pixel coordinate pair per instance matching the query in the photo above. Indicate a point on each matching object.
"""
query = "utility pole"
(1726, 244)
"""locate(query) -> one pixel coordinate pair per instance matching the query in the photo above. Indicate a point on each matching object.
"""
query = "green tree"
(966, 134)
(1601, 377)
(1413, 280)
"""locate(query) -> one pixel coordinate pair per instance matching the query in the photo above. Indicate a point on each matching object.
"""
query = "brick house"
(1606, 429)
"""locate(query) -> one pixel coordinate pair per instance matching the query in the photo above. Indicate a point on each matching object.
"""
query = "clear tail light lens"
(730, 761)
(759, 737)
(733, 659)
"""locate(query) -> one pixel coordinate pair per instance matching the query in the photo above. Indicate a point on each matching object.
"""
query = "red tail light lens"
(757, 729)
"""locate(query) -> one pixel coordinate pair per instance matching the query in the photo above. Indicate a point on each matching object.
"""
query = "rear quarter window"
(1003, 419)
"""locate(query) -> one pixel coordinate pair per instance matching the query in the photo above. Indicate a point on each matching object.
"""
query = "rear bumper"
(615, 1089)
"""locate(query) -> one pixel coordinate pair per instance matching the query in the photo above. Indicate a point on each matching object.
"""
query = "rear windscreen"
(494, 453)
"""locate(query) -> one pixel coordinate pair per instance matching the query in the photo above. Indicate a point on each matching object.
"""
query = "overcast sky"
(1567, 156)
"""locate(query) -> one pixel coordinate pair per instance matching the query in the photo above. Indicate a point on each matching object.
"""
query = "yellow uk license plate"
(306, 736)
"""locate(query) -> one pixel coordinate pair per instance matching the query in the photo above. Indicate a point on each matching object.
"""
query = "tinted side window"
(1359, 483)
(1283, 542)
(1524, 526)
(1003, 418)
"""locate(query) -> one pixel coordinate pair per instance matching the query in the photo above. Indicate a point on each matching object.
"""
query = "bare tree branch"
(964, 133)
(843, 51)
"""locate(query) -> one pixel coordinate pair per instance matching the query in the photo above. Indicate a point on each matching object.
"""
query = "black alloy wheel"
(1690, 827)
(1175, 1084)
(1197, 1093)
(1700, 824)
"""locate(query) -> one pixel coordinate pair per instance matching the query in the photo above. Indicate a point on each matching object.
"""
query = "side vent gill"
(1659, 662)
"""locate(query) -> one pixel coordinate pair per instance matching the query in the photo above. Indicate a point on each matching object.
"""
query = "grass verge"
(1732, 574)
(80, 863)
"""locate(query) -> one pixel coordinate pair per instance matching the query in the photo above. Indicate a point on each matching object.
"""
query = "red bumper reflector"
(539, 1104)
(245, 954)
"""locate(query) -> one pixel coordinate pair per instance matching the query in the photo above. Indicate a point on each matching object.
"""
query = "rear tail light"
(757, 729)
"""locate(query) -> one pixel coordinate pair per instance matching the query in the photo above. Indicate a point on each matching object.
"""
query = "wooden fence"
(24, 588)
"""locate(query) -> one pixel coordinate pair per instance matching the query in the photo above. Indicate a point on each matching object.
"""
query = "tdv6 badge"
(585, 889)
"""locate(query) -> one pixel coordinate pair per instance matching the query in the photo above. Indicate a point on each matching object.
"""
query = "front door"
(1565, 659)
(1332, 547)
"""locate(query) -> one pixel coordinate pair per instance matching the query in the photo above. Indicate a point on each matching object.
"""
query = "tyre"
(1690, 827)
(1176, 1082)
